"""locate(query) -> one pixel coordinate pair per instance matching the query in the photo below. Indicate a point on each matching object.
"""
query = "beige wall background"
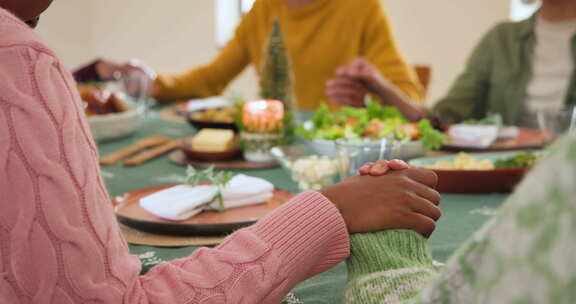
(177, 34)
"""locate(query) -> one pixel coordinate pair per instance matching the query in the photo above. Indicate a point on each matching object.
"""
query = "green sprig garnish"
(218, 179)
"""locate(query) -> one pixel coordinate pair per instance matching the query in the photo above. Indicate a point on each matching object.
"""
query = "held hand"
(363, 71)
(354, 80)
(137, 77)
(346, 91)
(403, 199)
(382, 166)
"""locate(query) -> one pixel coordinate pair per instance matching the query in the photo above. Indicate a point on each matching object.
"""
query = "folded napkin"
(184, 201)
(474, 136)
(245, 190)
(207, 103)
(508, 132)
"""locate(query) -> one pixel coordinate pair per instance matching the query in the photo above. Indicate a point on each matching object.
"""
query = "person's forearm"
(390, 95)
(387, 267)
(261, 263)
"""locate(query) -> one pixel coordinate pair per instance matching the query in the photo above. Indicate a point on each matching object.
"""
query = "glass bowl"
(309, 170)
(352, 155)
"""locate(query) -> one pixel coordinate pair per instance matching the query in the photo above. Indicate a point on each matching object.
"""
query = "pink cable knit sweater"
(59, 241)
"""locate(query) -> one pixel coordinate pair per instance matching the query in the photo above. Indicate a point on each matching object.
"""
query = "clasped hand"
(388, 195)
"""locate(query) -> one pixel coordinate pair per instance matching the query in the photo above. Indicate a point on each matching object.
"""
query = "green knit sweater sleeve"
(387, 267)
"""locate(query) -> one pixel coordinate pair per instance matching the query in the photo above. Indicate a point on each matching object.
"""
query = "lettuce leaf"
(351, 123)
(322, 117)
(431, 138)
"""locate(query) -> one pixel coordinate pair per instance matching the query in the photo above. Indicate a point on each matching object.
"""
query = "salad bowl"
(406, 150)
(374, 122)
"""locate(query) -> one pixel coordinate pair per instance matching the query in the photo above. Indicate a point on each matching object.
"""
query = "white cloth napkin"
(508, 132)
(207, 103)
(244, 190)
(184, 201)
(475, 136)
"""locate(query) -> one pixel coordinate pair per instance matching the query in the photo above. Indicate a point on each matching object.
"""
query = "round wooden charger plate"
(137, 237)
(178, 157)
(129, 213)
(526, 139)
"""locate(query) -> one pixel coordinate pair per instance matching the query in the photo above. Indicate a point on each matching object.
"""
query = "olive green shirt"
(496, 76)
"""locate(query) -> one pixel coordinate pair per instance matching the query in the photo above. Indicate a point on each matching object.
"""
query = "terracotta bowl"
(209, 156)
(475, 181)
(479, 181)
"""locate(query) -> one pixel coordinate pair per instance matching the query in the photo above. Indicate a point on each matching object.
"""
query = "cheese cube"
(213, 140)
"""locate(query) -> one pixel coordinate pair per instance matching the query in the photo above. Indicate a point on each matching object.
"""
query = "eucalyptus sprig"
(218, 179)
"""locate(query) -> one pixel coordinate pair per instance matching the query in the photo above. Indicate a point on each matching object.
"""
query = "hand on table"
(381, 199)
(353, 81)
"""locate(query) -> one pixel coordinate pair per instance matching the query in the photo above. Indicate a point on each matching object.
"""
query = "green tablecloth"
(462, 214)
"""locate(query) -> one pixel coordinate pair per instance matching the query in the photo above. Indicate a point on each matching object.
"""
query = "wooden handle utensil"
(147, 155)
(145, 143)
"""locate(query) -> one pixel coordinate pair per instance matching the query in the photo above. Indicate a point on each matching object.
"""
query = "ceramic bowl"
(114, 125)
(474, 181)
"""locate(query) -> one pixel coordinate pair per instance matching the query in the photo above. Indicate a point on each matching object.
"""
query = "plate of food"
(213, 112)
(215, 147)
(476, 173)
(506, 139)
(107, 114)
(211, 145)
(372, 122)
(192, 105)
(214, 208)
(215, 118)
(489, 134)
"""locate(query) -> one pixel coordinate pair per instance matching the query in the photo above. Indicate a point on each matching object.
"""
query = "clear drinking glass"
(351, 155)
(553, 124)
(138, 85)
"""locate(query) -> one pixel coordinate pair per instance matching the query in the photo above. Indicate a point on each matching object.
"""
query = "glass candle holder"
(263, 116)
(262, 128)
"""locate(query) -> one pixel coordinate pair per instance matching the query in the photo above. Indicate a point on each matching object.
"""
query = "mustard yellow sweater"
(319, 38)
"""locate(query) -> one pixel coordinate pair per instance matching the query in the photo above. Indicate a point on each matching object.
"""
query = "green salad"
(373, 121)
(520, 160)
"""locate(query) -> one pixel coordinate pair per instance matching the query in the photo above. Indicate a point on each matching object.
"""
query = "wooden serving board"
(178, 157)
(129, 213)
